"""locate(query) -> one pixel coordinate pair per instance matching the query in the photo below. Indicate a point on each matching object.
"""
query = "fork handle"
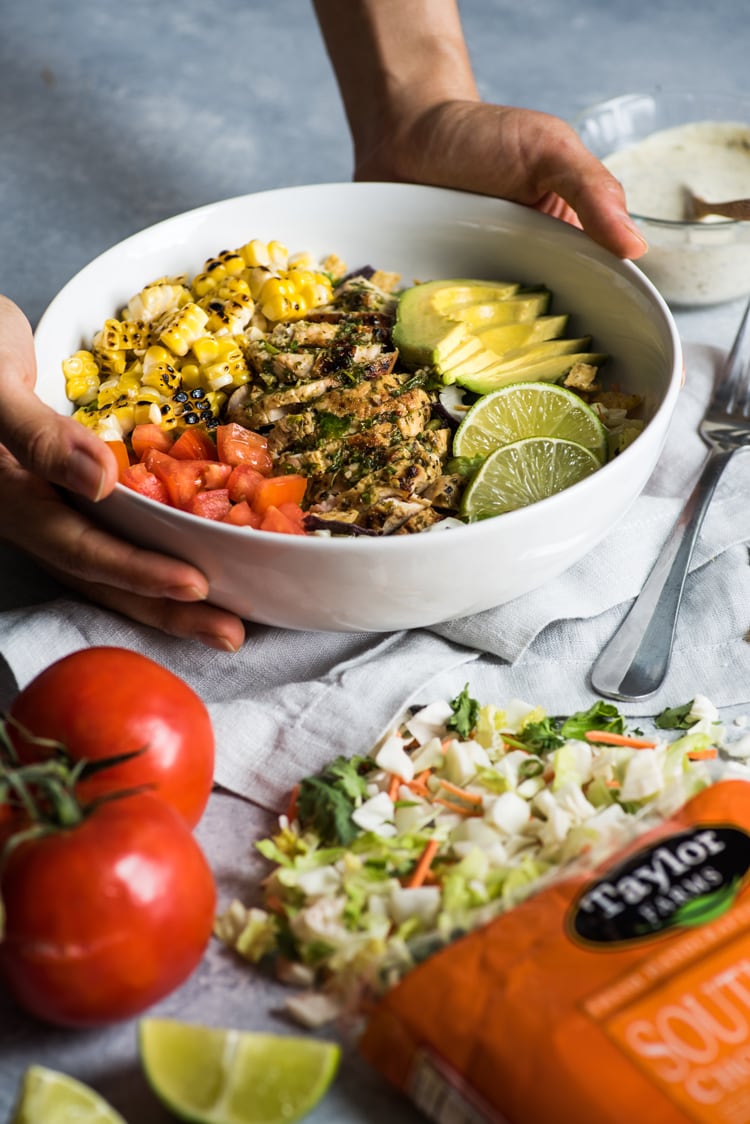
(634, 663)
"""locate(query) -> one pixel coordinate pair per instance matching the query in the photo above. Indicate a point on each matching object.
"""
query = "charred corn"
(157, 298)
(181, 328)
(81, 377)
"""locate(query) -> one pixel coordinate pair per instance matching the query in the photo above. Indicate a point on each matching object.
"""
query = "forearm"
(394, 59)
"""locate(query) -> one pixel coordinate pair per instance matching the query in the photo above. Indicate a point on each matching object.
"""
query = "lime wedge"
(523, 472)
(49, 1097)
(529, 409)
(213, 1076)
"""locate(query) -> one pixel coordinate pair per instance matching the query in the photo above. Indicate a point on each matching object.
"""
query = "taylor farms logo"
(683, 880)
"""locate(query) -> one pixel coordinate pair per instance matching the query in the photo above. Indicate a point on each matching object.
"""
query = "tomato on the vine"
(104, 917)
(104, 702)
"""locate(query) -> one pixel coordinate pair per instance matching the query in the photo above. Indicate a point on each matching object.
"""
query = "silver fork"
(634, 663)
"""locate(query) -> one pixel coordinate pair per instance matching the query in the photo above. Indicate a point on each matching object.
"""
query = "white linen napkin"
(288, 702)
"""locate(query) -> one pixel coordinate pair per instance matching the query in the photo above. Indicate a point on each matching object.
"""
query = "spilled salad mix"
(458, 813)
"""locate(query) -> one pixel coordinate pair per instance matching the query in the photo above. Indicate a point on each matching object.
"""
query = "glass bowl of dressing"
(660, 144)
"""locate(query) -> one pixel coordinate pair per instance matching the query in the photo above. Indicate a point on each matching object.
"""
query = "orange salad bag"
(619, 996)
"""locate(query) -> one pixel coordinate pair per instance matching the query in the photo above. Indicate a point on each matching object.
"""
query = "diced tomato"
(150, 436)
(214, 474)
(139, 479)
(243, 482)
(294, 512)
(121, 455)
(272, 491)
(276, 520)
(237, 445)
(185, 479)
(242, 515)
(215, 504)
(194, 445)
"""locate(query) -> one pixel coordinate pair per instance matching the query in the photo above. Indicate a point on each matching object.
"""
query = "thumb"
(58, 449)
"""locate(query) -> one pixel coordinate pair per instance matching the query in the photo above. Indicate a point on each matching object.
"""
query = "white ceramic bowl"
(409, 581)
(691, 263)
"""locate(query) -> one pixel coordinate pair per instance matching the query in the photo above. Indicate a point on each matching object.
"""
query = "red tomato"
(243, 482)
(103, 702)
(242, 515)
(275, 490)
(211, 505)
(138, 478)
(105, 918)
(185, 479)
(237, 445)
(194, 445)
(150, 436)
(275, 520)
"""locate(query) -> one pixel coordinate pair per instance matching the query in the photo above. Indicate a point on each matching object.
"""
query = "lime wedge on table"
(523, 472)
(213, 1076)
(49, 1097)
(532, 409)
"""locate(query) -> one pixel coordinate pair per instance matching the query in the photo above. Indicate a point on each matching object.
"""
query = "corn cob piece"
(81, 373)
(181, 328)
(155, 299)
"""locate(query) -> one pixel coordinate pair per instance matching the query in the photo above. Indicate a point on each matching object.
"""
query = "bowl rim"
(670, 94)
(512, 520)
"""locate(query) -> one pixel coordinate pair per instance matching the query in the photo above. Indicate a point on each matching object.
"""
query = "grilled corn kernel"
(255, 253)
(228, 368)
(110, 362)
(302, 260)
(256, 278)
(156, 299)
(190, 373)
(206, 282)
(81, 377)
(154, 356)
(278, 254)
(206, 350)
(147, 413)
(182, 328)
(124, 335)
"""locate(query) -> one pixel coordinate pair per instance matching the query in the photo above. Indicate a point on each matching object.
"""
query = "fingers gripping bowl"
(364, 583)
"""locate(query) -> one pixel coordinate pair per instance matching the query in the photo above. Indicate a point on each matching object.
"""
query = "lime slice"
(523, 472)
(213, 1076)
(530, 409)
(49, 1097)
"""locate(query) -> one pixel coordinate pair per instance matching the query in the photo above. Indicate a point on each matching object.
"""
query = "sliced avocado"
(469, 353)
(514, 310)
(425, 330)
(544, 370)
(520, 357)
(502, 337)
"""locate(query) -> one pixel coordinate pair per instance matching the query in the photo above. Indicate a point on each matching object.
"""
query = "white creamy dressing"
(701, 263)
(711, 158)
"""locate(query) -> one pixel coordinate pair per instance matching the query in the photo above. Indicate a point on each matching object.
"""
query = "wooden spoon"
(697, 208)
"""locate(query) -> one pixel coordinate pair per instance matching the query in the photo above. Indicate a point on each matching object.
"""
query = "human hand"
(516, 154)
(41, 449)
(416, 116)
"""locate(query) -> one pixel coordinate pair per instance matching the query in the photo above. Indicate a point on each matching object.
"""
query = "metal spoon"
(697, 208)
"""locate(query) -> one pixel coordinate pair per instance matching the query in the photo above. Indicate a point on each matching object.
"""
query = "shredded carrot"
(472, 797)
(606, 737)
(454, 807)
(702, 754)
(418, 789)
(395, 783)
(274, 904)
(291, 811)
(421, 778)
(612, 784)
(423, 864)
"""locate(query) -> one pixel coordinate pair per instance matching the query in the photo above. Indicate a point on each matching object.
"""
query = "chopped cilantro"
(537, 737)
(675, 717)
(600, 716)
(326, 801)
(331, 426)
(465, 713)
